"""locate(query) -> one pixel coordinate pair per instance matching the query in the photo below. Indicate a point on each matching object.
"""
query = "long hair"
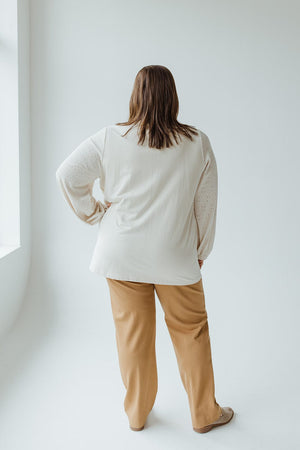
(154, 108)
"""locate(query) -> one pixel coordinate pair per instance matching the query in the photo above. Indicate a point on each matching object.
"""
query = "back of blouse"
(162, 217)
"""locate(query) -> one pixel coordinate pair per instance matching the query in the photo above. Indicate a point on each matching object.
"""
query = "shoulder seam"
(101, 152)
(202, 135)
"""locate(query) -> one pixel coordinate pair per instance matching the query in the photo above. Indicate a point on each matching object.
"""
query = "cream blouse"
(162, 217)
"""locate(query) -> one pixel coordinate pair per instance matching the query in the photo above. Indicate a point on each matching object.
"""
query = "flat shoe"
(137, 429)
(225, 417)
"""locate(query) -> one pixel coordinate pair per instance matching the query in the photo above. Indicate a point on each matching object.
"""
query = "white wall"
(236, 67)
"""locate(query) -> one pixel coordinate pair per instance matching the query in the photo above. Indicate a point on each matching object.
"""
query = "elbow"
(58, 173)
(61, 174)
(58, 179)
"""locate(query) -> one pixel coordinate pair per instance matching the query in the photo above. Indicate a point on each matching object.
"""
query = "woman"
(157, 226)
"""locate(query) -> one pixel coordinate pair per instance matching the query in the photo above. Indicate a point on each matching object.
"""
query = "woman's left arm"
(76, 176)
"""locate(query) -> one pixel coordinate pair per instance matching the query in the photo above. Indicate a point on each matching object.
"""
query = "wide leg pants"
(134, 313)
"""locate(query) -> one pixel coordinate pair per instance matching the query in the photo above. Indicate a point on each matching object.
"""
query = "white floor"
(61, 390)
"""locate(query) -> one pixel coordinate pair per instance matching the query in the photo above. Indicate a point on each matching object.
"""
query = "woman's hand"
(200, 261)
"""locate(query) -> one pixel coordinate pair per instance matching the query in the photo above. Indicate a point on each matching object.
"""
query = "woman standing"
(157, 226)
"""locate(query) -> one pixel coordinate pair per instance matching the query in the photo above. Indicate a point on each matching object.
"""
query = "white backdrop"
(236, 67)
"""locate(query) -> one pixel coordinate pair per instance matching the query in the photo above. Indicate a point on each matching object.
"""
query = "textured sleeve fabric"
(205, 202)
(76, 176)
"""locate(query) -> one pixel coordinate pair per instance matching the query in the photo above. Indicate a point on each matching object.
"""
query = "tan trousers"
(134, 313)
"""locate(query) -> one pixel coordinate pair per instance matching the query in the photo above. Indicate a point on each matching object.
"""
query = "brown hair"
(154, 107)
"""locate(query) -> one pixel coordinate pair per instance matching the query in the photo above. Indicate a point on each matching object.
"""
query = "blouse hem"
(138, 279)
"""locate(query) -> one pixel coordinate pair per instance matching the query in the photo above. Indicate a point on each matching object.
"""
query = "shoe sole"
(210, 427)
(137, 429)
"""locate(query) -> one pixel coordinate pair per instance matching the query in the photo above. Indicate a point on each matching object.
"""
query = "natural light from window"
(9, 130)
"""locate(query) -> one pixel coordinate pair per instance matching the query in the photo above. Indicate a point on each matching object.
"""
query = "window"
(9, 130)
